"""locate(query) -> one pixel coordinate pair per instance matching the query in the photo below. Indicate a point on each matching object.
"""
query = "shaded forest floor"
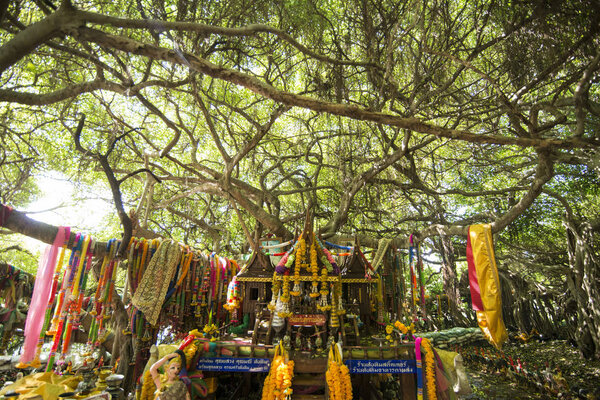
(551, 370)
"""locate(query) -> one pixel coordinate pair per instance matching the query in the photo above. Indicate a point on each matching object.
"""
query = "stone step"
(308, 396)
(309, 380)
(311, 366)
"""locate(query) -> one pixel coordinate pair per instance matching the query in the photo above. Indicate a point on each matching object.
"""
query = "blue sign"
(381, 366)
(234, 364)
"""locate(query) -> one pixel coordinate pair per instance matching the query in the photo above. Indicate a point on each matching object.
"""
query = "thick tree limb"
(113, 183)
(35, 35)
(21, 223)
(290, 99)
(249, 30)
(213, 231)
(39, 99)
(544, 173)
(358, 182)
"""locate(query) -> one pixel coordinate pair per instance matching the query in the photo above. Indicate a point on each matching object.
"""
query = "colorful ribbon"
(419, 361)
(41, 295)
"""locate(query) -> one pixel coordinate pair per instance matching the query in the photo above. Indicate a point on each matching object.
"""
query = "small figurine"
(319, 343)
(330, 342)
(298, 342)
(287, 342)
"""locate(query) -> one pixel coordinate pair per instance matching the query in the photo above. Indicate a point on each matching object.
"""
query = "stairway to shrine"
(309, 379)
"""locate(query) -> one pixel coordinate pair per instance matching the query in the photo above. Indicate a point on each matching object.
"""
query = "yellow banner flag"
(482, 259)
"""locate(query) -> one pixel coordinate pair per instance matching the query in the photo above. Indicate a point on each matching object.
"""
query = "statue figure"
(287, 341)
(169, 386)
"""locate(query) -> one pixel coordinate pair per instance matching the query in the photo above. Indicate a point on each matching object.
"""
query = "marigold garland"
(278, 383)
(338, 376)
(148, 387)
(314, 268)
(274, 292)
(324, 288)
(347, 383)
(333, 318)
(430, 369)
(323, 306)
(389, 329)
(338, 294)
(285, 295)
(300, 256)
(285, 298)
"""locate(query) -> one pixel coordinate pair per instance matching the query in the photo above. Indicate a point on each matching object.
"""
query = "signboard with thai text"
(234, 364)
(307, 319)
(381, 366)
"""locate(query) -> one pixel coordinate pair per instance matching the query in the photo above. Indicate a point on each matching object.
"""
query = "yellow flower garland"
(324, 291)
(430, 369)
(300, 256)
(274, 292)
(346, 382)
(314, 268)
(338, 377)
(278, 383)
(333, 318)
(401, 327)
(148, 387)
(338, 295)
(285, 294)
(285, 298)
(323, 306)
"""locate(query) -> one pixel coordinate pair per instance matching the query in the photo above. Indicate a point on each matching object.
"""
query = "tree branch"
(114, 187)
(354, 112)
(36, 34)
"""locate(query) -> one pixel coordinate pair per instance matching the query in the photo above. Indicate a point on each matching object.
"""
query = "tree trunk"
(583, 282)
(450, 280)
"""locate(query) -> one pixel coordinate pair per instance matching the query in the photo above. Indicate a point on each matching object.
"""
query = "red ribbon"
(473, 282)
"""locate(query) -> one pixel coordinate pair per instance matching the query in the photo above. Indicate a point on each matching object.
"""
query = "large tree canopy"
(220, 121)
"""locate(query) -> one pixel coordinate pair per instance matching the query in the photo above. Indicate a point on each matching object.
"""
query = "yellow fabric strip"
(81, 266)
(490, 320)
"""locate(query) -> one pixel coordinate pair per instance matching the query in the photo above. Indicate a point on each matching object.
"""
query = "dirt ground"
(551, 370)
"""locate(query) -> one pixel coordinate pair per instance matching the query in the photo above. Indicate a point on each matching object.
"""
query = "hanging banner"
(485, 284)
(381, 366)
(234, 364)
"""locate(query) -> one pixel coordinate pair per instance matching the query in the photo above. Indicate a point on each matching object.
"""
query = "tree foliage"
(226, 121)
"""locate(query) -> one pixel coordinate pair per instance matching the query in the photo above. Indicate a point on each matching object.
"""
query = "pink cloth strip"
(418, 348)
(41, 295)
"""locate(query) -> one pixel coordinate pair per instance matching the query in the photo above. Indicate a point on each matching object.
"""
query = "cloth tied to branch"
(151, 291)
(41, 295)
(381, 249)
(485, 284)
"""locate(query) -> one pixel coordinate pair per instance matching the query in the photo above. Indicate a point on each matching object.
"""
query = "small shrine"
(306, 295)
